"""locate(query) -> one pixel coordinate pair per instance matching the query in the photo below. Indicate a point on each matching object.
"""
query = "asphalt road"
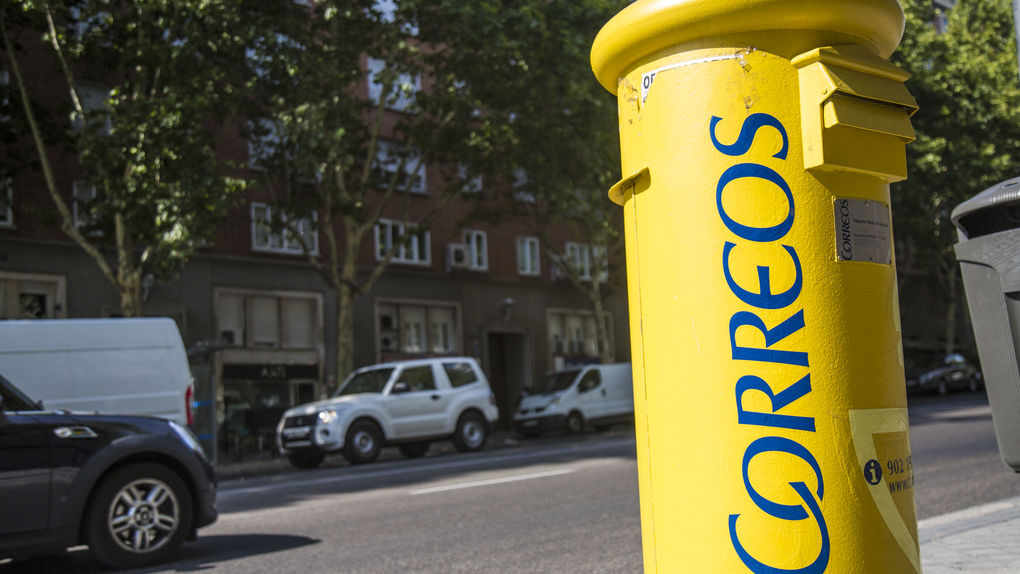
(560, 504)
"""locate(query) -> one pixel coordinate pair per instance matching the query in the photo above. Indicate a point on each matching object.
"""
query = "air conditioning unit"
(388, 343)
(457, 256)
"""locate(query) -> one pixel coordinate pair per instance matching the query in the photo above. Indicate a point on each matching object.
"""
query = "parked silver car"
(408, 404)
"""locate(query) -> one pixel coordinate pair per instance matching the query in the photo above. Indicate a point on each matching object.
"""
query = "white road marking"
(491, 481)
(288, 482)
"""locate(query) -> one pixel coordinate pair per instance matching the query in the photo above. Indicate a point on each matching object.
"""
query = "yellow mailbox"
(758, 140)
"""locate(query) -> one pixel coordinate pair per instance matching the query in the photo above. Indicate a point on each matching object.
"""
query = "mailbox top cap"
(649, 27)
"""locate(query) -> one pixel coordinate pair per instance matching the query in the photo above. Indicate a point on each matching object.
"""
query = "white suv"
(405, 403)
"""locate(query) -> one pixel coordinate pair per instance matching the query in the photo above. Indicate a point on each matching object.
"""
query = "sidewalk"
(981, 540)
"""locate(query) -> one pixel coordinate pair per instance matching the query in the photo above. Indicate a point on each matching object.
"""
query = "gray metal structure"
(988, 226)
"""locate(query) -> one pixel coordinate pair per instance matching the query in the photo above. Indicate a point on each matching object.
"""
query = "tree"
(143, 132)
(341, 168)
(968, 131)
(528, 64)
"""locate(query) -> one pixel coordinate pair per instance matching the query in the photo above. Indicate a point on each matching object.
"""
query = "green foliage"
(146, 83)
(968, 126)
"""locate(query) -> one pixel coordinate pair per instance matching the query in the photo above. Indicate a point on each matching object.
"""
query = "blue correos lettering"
(764, 299)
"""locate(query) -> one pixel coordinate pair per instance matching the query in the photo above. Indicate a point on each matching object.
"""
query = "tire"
(471, 433)
(973, 385)
(127, 530)
(575, 423)
(415, 449)
(363, 443)
(305, 461)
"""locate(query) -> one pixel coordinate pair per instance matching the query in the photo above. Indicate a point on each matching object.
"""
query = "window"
(412, 327)
(399, 91)
(573, 336)
(417, 328)
(460, 374)
(418, 378)
(6, 203)
(287, 240)
(268, 319)
(263, 142)
(394, 161)
(520, 185)
(583, 258)
(388, 14)
(84, 198)
(93, 97)
(441, 330)
(390, 235)
(478, 254)
(589, 381)
(31, 296)
(470, 184)
(528, 262)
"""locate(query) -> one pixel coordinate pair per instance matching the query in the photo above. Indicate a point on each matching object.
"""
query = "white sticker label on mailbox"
(863, 232)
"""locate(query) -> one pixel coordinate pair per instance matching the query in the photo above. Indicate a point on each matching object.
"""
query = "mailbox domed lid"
(649, 28)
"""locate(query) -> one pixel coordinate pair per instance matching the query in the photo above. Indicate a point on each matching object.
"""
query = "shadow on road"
(197, 556)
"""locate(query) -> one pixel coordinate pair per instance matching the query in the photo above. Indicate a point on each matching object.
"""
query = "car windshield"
(372, 381)
(14, 399)
(554, 382)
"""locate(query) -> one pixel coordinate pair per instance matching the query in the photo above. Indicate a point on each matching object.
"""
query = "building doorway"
(508, 368)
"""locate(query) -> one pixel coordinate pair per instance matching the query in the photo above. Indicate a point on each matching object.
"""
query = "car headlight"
(328, 416)
(185, 435)
(554, 402)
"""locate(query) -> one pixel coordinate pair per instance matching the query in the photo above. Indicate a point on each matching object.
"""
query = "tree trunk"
(344, 331)
(952, 303)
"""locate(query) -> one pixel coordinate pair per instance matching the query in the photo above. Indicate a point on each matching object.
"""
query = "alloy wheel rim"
(364, 442)
(143, 516)
(472, 433)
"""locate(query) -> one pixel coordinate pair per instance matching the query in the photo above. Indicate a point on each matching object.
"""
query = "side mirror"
(399, 387)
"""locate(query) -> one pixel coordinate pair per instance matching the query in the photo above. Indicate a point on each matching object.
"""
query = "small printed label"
(862, 231)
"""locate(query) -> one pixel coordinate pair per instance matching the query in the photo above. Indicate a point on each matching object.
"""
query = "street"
(556, 504)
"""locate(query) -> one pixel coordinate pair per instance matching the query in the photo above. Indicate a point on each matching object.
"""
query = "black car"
(954, 373)
(131, 488)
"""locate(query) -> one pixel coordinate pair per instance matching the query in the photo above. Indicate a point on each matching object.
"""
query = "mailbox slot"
(855, 112)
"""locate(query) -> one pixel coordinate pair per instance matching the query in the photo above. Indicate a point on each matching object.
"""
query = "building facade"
(260, 323)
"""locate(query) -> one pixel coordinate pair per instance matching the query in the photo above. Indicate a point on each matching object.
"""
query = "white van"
(566, 400)
(115, 366)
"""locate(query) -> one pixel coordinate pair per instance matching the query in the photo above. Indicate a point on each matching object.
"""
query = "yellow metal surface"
(768, 380)
(648, 28)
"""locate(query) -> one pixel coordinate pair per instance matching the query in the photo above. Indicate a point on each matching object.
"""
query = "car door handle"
(436, 397)
(75, 432)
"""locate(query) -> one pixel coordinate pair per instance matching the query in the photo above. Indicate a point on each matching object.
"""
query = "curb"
(930, 530)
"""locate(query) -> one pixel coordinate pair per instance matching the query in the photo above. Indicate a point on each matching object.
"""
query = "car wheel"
(363, 443)
(305, 461)
(415, 449)
(575, 422)
(941, 389)
(972, 385)
(138, 515)
(472, 432)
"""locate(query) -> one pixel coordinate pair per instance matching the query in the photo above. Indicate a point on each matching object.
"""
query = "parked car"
(134, 366)
(953, 374)
(131, 488)
(566, 400)
(406, 403)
